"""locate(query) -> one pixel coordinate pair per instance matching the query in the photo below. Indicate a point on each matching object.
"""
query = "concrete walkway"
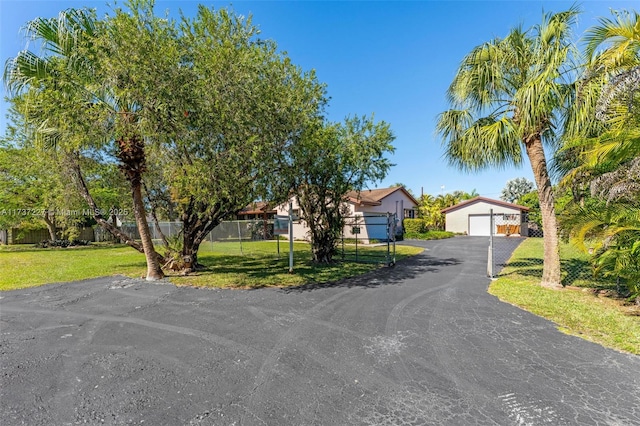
(421, 343)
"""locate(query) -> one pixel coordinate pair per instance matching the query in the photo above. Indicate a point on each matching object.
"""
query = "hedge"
(415, 226)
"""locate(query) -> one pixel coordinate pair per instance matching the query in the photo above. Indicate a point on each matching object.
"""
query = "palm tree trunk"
(551, 277)
(133, 164)
(154, 272)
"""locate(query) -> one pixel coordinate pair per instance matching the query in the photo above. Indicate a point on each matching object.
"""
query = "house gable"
(482, 201)
(375, 197)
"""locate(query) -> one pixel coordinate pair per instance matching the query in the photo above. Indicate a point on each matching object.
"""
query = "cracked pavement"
(422, 343)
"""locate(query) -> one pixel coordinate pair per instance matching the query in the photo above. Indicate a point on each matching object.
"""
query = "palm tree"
(507, 97)
(607, 154)
(619, 60)
(602, 148)
(613, 74)
(612, 233)
(65, 65)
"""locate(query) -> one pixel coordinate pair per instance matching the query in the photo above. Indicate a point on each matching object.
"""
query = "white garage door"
(479, 225)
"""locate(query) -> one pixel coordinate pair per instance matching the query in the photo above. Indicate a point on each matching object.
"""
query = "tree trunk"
(154, 216)
(321, 253)
(50, 220)
(323, 245)
(551, 277)
(154, 272)
(196, 224)
(189, 254)
(323, 216)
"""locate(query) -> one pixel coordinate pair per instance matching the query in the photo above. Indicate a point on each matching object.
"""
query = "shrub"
(415, 226)
(61, 243)
(429, 235)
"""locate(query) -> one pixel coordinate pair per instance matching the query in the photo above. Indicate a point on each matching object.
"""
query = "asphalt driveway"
(421, 343)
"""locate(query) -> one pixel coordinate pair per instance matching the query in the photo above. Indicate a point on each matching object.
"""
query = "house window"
(409, 214)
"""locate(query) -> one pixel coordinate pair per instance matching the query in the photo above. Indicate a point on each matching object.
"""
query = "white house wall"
(300, 230)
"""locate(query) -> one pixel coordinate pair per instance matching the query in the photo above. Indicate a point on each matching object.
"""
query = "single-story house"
(368, 213)
(473, 217)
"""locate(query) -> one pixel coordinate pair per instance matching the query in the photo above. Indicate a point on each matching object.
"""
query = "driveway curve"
(420, 343)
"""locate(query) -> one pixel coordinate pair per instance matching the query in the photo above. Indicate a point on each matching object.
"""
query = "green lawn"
(250, 265)
(579, 309)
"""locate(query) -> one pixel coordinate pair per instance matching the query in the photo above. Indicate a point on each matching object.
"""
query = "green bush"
(429, 235)
(415, 226)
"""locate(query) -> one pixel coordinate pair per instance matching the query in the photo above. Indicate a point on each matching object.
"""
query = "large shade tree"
(244, 107)
(507, 98)
(32, 191)
(205, 100)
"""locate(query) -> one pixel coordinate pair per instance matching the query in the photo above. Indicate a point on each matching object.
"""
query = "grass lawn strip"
(579, 309)
(227, 265)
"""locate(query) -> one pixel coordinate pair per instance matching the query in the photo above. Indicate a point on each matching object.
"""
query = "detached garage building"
(473, 217)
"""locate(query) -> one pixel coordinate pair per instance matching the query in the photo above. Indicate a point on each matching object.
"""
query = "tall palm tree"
(506, 99)
(67, 65)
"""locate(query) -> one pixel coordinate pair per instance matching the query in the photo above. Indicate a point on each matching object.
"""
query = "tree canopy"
(200, 115)
(331, 160)
(515, 189)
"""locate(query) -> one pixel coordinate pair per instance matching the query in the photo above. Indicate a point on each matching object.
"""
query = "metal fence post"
(490, 254)
(290, 237)
(394, 218)
(239, 237)
(388, 257)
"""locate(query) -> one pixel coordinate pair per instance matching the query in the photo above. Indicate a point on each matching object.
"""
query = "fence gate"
(369, 238)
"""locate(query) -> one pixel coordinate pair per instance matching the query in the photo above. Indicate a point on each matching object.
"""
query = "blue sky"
(391, 58)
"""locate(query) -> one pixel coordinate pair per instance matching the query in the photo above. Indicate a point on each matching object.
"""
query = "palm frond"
(485, 143)
(620, 184)
(616, 147)
(452, 123)
(621, 34)
(25, 70)
(63, 37)
(620, 89)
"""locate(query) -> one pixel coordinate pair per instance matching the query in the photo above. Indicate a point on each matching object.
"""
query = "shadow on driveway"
(404, 269)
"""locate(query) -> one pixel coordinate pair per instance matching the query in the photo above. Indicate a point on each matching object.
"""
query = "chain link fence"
(576, 267)
(369, 238)
(229, 237)
(227, 231)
